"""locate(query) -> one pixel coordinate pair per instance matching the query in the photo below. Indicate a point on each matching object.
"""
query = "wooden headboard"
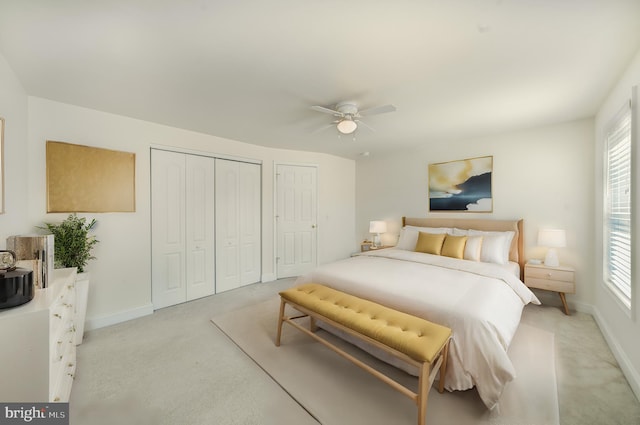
(516, 253)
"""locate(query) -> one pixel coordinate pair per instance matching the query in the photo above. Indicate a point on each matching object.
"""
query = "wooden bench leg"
(280, 320)
(424, 385)
(313, 327)
(443, 366)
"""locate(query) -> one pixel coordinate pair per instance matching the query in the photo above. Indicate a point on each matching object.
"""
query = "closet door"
(250, 201)
(200, 237)
(227, 228)
(238, 215)
(168, 197)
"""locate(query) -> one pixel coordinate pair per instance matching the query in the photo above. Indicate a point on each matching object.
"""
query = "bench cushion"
(417, 338)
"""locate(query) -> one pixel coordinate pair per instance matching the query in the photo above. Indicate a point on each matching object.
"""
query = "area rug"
(336, 392)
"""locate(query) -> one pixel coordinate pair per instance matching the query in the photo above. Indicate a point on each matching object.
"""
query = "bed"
(480, 296)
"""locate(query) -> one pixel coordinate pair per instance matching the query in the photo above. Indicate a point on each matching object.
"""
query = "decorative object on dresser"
(34, 252)
(552, 239)
(72, 243)
(377, 227)
(16, 284)
(40, 353)
(73, 247)
(559, 279)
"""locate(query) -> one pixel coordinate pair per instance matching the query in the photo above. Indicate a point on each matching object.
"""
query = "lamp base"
(551, 259)
(376, 241)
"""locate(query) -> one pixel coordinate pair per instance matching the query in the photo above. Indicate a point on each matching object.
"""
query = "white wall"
(120, 277)
(542, 175)
(621, 330)
(13, 108)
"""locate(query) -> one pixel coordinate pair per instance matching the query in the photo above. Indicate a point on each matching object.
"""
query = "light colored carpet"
(336, 392)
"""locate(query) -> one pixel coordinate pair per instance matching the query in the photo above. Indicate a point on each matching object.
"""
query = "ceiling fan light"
(347, 126)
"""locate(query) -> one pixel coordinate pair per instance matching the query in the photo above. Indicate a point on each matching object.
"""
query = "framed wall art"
(87, 179)
(461, 186)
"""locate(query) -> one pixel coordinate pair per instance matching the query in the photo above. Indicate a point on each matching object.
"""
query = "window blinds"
(617, 236)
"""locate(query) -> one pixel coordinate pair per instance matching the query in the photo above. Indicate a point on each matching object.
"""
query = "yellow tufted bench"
(416, 341)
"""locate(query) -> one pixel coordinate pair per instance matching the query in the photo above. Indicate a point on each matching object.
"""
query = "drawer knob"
(548, 274)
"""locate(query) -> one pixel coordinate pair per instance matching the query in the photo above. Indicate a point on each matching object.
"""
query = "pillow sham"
(453, 246)
(473, 248)
(495, 245)
(430, 243)
(409, 235)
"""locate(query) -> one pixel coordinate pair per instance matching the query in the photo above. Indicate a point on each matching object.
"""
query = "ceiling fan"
(348, 116)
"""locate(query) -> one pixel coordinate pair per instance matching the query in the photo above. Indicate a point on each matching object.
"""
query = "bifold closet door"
(182, 227)
(200, 226)
(238, 213)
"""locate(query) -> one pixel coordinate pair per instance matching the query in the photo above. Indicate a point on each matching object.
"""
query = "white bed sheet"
(481, 303)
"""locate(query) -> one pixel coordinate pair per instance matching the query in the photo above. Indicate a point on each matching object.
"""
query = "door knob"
(313, 226)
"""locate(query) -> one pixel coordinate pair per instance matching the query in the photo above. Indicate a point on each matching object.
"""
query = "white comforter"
(481, 302)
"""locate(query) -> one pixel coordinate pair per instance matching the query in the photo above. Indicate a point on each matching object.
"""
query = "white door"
(200, 221)
(238, 215)
(167, 228)
(250, 201)
(296, 230)
(182, 227)
(227, 229)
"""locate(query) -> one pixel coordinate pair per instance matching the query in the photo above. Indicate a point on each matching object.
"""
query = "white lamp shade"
(552, 238)
(377, 226)
(347, 126)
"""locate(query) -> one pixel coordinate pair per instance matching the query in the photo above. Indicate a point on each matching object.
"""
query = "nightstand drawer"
(550, 285)
(548, 274)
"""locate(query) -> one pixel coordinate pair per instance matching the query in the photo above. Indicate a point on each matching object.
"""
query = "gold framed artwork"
(87, 179)
(461, 186)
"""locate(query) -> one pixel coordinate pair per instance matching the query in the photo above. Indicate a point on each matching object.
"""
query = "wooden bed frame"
(516, 253)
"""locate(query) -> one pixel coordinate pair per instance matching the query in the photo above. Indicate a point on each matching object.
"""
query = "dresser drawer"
(550, 285)
(549, 274)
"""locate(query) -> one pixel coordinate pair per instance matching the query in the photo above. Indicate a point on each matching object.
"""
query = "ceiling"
(249, 70)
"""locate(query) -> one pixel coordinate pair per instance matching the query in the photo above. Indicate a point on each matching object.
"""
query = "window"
(617, 207)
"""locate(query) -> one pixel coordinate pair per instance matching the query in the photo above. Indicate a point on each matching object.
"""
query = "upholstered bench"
(411, 339)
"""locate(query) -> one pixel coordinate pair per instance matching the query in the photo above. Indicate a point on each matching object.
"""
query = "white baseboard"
(629, 371)
(123, 316)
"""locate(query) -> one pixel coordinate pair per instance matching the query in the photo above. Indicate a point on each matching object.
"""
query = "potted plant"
(72, 243)
(72, 247)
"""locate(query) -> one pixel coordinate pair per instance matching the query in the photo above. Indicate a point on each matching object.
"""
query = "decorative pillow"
(409, 235)
(453, 246)
(473, 248)
(430, 243)
(495, 246)
(459, 232)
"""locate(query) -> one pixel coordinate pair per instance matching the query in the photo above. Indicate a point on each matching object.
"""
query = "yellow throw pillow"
(430, 243)
(453, 246)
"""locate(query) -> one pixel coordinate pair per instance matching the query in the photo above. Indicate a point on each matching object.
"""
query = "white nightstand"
(560, 279)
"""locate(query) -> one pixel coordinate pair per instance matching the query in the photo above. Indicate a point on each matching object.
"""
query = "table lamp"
(377, 227)
(552, 239)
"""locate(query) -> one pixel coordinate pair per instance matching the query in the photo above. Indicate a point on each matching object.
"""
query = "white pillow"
(495, 246)
(459, 232)
(409, 235)
(473, 248)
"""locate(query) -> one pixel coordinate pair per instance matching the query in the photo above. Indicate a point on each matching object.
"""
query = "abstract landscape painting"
(463, 185)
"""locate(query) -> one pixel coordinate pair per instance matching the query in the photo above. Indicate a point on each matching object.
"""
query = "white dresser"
(37, 349)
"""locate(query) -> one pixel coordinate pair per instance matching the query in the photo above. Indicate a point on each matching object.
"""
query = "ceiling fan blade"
(378, 110)
(364, 124)
(323, 128)
(326, 110)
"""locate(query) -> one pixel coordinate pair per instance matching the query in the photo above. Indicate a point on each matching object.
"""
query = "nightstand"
(559, 279)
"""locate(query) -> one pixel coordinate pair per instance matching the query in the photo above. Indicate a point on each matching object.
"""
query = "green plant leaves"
(72, 243)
